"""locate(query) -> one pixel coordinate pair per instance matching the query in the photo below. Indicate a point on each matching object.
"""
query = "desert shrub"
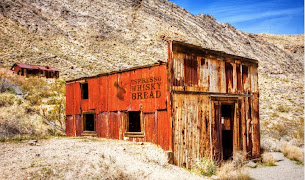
(268, 159)
(229, 171)
(282, 108)
(205, 167)
(7, 99)
(293, 152)
(239, 159)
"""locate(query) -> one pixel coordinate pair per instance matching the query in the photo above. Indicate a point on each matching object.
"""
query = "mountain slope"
(106, 36)
(89, 37)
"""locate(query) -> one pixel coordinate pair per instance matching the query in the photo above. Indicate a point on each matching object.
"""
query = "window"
(134, 123)
(84, 90)
(190, 70)
(88, 122)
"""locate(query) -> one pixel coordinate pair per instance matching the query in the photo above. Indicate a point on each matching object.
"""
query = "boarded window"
(190, 70)
(84, 90)
(229, 77)
(134, 121)
(89, 122)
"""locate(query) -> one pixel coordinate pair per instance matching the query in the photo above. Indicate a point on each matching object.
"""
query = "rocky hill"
(93, 36)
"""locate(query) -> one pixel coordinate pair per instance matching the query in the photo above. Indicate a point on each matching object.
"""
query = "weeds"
(268, 160)
(294, 153)
(205, 167)
(229, 171)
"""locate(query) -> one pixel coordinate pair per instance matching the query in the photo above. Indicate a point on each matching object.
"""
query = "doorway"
(227, 119)
(88, 122)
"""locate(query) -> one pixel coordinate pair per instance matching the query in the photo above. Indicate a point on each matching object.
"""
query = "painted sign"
(146, 88)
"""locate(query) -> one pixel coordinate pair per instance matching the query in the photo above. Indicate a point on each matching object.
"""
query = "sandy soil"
(285, 170)
(86, 158)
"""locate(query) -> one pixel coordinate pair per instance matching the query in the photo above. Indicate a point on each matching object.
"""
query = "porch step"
(89, 133)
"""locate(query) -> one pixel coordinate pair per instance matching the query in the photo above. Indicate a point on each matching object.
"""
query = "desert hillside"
(89, 37)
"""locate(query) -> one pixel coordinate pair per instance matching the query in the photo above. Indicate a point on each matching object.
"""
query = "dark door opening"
(227, 119)
(89, 123)
(134, 124)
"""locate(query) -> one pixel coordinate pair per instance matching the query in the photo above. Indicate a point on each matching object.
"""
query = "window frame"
(82, 90)
(134, 134)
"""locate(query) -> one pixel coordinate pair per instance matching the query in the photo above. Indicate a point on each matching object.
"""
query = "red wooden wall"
(111, 96)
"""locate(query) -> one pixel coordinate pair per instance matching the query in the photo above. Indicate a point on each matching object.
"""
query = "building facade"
(201, 103)
(35, 70)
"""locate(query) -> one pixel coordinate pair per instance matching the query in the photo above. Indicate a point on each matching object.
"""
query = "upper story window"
(84, 90)
(190, 70)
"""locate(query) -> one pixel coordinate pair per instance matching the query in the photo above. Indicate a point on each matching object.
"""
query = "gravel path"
(285, 170)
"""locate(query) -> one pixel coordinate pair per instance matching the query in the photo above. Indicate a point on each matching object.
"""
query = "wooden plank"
(243, 128)
(178, 69)
(256, 128)
(246, 79)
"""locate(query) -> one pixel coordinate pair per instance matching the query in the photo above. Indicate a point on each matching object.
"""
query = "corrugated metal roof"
(27, 66)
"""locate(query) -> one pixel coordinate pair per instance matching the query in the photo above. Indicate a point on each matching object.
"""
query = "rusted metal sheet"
(123, 91)
(70, 128)
(103, 96)
(78, 125)
(112, 92)
(93, 87)
(164, 130)
(151, 127)
(77, 98)
(69, 99)
(104, 119)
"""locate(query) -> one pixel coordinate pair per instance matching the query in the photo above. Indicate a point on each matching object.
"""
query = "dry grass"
(268, 159)
(205, 167)
(26, 115)
(293, 152)
(229, 171)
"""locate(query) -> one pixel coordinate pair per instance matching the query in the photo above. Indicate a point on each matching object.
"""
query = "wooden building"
(201, 103)
(35, 70)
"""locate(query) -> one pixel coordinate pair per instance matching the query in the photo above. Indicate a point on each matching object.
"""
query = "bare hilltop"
(89, 37)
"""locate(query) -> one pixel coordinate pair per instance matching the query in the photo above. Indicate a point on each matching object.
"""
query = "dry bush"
(205, 167)
(7, 99)
(239, 159)
(268, 159)
(15, 121)
(293, 152)
(229, 171)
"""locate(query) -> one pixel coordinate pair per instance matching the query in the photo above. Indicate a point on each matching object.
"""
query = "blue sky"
(261, 16)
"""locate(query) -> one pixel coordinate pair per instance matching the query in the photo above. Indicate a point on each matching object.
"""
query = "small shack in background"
(201, 103)
(35, 70)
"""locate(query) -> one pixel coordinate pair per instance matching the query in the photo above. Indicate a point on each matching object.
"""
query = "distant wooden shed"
(35, 70)
(201, 103)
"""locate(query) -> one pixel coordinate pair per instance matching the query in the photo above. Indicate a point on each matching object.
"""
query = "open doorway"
(227, 119)
(88, 122)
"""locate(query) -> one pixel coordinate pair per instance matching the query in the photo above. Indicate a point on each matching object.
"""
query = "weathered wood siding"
(201, 82)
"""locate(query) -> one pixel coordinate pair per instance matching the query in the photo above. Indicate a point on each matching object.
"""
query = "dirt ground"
(86, 158)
